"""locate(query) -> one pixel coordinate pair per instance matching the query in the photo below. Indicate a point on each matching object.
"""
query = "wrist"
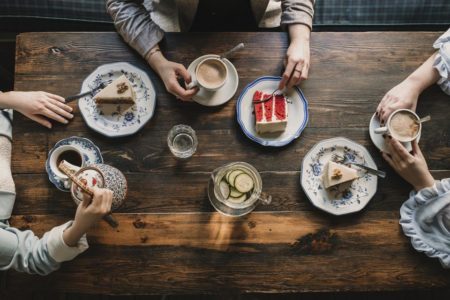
(299, 33)
(427, 182)
(73, 234)
(5, 100)
(155, 59)
(416, 83)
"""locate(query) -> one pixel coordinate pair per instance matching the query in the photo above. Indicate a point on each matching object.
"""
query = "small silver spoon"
(425, 119)
(230, 52)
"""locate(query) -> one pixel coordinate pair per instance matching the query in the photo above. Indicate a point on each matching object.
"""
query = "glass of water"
(182, 141)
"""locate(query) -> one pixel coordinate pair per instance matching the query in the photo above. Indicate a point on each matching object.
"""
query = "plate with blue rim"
(297, 112)
(91, 154)
(117, 120)
(341, 199)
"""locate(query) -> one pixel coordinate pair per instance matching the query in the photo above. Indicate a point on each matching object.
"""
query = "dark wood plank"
(147, 151)
(173, 192)
(283, 252)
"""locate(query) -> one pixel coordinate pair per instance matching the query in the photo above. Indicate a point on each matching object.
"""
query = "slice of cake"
(271, 115)
(335, 174)
(120, 91)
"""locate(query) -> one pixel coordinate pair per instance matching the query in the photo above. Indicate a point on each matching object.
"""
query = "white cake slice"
(335, 174)
(120, 91)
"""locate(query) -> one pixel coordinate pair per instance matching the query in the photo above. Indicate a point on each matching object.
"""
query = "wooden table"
(170, 239)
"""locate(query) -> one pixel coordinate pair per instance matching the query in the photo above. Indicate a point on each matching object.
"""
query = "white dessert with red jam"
(270, 115)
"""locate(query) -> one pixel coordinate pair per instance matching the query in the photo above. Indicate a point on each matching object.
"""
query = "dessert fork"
(90, 92)
(277, 92)
(343, 160)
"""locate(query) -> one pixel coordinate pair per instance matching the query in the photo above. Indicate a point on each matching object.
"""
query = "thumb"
(181, 70)
(87, 199)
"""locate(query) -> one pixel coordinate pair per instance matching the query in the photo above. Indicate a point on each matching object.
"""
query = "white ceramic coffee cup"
(54, 162)
(198, 79)
(387, 129)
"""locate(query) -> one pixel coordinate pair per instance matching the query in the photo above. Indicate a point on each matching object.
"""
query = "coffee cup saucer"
(378, 140)
(222, 95)
(90, 151)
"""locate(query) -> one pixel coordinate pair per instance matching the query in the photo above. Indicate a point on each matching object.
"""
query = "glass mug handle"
(381, 130)
(265, 198)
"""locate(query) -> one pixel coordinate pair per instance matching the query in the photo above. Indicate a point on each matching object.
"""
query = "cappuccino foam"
(404, 125)
(211, 73)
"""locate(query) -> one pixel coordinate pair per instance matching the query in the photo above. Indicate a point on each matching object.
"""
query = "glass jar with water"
(235, 189)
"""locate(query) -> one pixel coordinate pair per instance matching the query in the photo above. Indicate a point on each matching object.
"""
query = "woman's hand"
(38, 106)
(297, 57)
(411, 166)
(88, 213)
(403, 95)
(170, 72)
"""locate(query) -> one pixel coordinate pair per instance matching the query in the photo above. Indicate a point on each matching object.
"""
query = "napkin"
(425, 218)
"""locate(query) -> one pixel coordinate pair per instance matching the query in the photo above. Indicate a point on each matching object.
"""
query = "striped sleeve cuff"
(58, 249)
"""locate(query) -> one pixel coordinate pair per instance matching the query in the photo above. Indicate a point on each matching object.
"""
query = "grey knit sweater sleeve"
(134, 24)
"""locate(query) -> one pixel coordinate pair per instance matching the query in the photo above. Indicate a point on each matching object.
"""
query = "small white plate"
(339, 200)
(378, 139)
(91, 154)
(297, 112)
(222, 95)
(118, 120)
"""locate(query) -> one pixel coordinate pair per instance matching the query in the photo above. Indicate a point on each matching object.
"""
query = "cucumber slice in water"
(243, 183)
(235, 193)
(233, 175)
(224, 189)
(237, 200)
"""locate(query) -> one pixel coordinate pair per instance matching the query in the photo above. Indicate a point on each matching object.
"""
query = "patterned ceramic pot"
(102, 176)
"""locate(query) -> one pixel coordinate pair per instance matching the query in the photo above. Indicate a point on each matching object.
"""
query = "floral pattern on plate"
(341, 199)
(115, 120)
(91, 154)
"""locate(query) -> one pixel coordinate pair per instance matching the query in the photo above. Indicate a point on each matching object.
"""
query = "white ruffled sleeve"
(442, 61)
(425, 218)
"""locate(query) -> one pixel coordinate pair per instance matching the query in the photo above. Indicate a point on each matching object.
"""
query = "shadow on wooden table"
(402, 295)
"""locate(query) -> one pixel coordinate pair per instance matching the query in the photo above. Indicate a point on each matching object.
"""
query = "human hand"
(88, 213)
(38, 106)
(411, 166)
(170, 72)
(297, 59)
(403, 95)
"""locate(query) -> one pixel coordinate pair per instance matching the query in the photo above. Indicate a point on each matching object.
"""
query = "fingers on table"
(49, 113)
(55, 97)
(294, 74)
(41, 120)
(59, 108)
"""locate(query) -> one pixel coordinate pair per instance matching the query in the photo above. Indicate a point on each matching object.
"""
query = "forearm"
(134, 24)
(25, 252)
(297, 12)
(424, 76)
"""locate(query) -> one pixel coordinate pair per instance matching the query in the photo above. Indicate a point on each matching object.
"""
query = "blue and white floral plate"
(297, 112)
(91, 154)
(341, 199)
(118, 120)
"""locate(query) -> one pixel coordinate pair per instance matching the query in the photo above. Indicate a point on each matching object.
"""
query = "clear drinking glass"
(182, 141)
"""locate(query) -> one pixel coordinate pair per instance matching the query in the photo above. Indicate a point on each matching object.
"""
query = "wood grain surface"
(170, 240)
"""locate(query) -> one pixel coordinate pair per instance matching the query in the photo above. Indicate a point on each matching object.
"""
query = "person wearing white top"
(22, 250)
(425, 216)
